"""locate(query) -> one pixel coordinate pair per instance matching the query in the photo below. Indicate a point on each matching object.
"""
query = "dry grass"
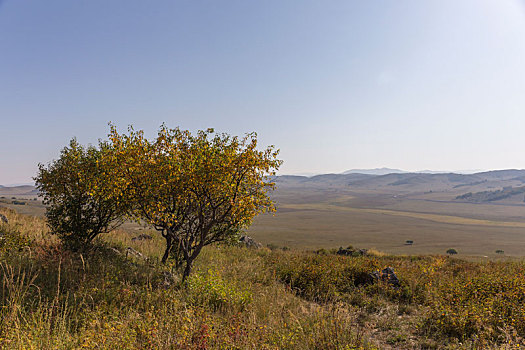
(383, 222)
(248, 299)
(99, 299)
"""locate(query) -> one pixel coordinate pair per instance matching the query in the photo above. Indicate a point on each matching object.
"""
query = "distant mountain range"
(452, 185)
(480, 186)
(24, 190)
(386, 171)
(377, 171)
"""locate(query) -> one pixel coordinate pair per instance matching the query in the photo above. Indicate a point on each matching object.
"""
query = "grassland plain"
(314, 218)
(381, 212)
(237, 298)
(324, 217)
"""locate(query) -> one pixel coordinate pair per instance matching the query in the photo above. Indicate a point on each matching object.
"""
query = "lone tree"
(74, 189)
(452, 251)
(195, 189)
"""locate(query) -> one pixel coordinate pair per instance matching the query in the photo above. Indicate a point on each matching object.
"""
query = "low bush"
(210, 289)
(486, 301)
(329, 278)
(11, 239)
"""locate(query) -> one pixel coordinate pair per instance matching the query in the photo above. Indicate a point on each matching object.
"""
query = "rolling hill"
(25, 190)
(382, 211)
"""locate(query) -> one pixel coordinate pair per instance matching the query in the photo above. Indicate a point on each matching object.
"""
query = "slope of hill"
(240, 298)
(491, 196)
(25, 190)
(410, 182)
(507, 174)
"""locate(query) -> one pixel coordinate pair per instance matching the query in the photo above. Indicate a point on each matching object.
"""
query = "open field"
(31, 207)
(379, 212)
(339, 223)
(384, 217)
(387, 231)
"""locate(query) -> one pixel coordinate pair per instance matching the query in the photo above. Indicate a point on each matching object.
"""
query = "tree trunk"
(187, 269)
(169, 244)
(189, 258)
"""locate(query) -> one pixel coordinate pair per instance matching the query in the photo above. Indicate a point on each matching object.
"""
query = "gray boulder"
(387, 275)
(115, 250)
(249, 242)
(351, 252)
(141, 237)
(132, 252)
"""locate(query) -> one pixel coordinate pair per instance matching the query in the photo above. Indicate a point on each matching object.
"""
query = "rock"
(387, 275)
(3, 219)
(133, 252)
(141, 237)
(362, 252)
(249, 242)
(115, 250)
(351, 252)
(346, 252)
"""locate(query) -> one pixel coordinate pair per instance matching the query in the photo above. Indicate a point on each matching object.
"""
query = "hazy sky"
(334, 84)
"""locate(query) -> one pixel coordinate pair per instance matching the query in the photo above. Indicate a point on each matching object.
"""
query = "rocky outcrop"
(387, 275)
(115, 250)
(351, 252)
(132, 252)
(141, 237)
(249, 242)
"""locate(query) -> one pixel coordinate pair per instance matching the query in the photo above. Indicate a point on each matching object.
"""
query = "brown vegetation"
(247, 299)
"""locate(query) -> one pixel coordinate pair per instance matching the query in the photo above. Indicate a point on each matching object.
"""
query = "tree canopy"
(194, 189)
(74, 188)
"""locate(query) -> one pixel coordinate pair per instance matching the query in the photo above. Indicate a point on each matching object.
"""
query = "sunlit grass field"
(239, 298)
(312, 219)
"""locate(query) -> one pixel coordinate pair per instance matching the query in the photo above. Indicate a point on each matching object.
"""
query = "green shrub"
(210, 289)
(74, 190)
(322, 251)
(272, 246)
(486, 301)
(11, 239)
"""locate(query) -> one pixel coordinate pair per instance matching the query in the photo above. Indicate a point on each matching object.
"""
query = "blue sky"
(334, 84)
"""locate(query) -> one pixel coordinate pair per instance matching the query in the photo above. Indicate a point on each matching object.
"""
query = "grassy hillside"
(491, 196)
(247, 299)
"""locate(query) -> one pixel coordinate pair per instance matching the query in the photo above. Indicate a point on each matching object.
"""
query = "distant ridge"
(377, 171)
(19, 184)
(25, 190)
(387, 171)
(402, 181)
